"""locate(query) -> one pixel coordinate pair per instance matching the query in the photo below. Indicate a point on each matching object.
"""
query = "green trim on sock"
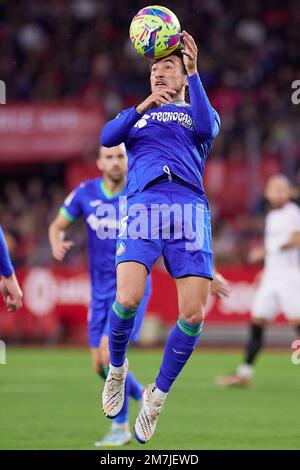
(188, 328)
(122, 312)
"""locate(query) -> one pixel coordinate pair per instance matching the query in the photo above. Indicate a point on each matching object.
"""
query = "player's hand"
(11, 293)
(256, 255)
(60, 249)
(162, 96)
(220, 286)
(190, 53)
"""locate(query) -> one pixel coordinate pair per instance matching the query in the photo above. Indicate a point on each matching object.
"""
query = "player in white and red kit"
(279, 289)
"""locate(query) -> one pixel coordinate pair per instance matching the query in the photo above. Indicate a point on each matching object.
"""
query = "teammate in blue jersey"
(9, 286)
(167, 142)
(97, 202)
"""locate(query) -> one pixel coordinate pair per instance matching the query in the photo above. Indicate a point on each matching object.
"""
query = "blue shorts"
(98, 317)
(171, 220)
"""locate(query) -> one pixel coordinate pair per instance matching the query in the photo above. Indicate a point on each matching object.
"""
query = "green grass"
(50, 399)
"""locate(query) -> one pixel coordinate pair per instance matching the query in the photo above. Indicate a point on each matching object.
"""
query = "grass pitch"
(50, 399)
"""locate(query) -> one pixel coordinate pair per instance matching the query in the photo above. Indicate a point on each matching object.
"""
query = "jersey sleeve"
(6, 267)
(116, 131)
(206, 119)
(72, 206)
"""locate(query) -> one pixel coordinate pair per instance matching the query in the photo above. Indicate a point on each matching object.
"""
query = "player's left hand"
(190, 53)
(11, 293)
(220, 286)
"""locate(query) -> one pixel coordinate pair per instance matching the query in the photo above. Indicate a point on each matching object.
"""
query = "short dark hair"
(177, 53)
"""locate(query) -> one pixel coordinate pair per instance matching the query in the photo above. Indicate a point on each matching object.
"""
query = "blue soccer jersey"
(85, 202)
(174, 138)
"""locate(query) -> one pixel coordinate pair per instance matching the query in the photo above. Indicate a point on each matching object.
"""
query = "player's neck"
(111, 188)
(178, 98)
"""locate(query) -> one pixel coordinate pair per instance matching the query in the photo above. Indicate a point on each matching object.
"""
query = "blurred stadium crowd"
(78, 50)
(26, 210)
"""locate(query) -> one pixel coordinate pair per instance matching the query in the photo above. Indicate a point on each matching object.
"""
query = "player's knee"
(128, 300)
(194, 315)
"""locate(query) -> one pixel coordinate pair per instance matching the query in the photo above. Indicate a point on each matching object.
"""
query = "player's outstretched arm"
(116, 131)
(57, 232)
(206, 119)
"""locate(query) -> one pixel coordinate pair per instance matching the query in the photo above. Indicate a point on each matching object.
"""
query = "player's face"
(278, 191)
(168, 73)
(113, 162)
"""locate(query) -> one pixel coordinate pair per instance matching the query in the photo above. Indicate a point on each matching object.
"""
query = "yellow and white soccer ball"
(155, 32)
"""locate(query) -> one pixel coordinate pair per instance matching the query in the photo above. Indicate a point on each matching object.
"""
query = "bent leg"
(131, 281)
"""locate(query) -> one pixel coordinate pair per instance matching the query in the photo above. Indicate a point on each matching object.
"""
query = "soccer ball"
(155, 32)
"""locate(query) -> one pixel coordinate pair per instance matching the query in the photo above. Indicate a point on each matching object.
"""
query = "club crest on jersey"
(121, 249)
(143, 121)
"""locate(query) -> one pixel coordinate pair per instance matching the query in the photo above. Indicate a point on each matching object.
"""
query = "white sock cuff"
(117, 370)
(158, 394)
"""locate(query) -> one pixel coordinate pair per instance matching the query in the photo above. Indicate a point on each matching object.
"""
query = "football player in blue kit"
(97, 202)
(167, 142)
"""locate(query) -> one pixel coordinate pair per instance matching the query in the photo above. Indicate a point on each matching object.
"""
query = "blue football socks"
(180, 345)
(121, 325)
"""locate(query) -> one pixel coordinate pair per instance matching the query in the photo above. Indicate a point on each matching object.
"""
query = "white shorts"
(276, 296)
